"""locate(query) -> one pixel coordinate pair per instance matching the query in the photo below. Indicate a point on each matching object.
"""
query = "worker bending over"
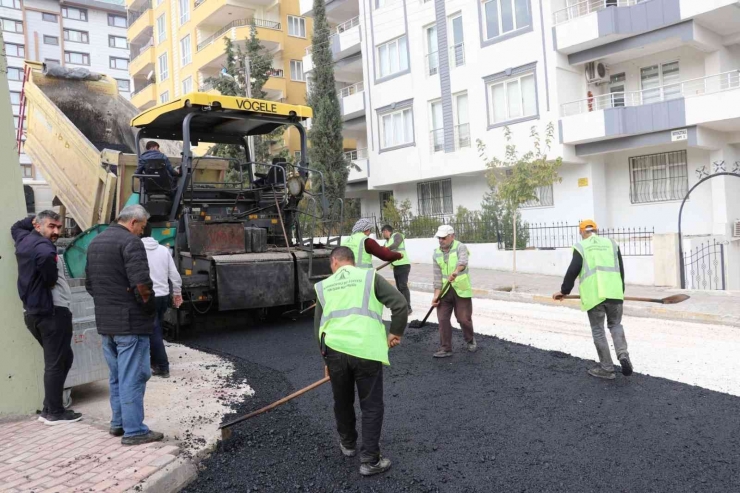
(364, 248)
(597, 262)
(401, 268)
(450, 264)
(349, 327)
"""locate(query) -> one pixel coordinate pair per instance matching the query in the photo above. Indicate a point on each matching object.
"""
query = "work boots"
(624, 360)
(599, 372)
(369, 469)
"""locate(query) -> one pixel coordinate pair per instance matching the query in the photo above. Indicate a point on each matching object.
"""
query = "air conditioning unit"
(736, 229)
(596, 73)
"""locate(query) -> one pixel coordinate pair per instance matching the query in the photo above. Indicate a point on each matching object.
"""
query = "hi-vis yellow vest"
(462, 281)
(356, 243)
(599, 279)
(401, 249)
(352, 317)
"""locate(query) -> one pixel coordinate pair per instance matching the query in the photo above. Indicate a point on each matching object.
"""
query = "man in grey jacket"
(118, 280)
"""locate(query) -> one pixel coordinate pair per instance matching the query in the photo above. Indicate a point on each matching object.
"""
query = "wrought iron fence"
(633, 242)
(704, 267)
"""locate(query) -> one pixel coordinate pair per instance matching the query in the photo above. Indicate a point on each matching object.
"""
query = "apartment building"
(63, 32)
(642, 94)
(176, 45)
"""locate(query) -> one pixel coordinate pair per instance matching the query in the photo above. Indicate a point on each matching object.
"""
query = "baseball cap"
(587, 225)
(444, 230)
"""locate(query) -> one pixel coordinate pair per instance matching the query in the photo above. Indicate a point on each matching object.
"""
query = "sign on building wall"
(678, 135)
(582, 182)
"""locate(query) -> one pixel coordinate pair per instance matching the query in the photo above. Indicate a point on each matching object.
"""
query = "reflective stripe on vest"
(356, 243)
(599, 278)
(401, 249)
(462, 281)
(352, 317)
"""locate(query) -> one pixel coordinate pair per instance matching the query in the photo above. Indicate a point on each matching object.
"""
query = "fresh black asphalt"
(507, 418)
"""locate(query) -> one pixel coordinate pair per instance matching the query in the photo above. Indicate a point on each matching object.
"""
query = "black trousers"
(401, 275)
(346, 372)
(54, 333)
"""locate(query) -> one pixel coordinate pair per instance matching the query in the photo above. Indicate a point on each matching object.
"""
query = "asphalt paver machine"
(258, 240)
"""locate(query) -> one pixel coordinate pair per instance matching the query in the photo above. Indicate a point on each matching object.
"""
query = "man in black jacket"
(46, 299)
(117, 277)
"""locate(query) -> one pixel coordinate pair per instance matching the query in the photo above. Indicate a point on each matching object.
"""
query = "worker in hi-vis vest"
(364, 248)
(597, 262)
(450, 264)
(349, 328)
(396, 242)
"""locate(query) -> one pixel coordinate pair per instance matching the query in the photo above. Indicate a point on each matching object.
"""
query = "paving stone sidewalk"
(720, 307)
(73, 457)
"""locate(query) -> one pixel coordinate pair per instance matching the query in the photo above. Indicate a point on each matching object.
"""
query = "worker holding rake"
(597, 262)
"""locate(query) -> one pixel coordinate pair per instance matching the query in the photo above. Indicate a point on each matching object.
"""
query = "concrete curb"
(644, 311)
(174, 477)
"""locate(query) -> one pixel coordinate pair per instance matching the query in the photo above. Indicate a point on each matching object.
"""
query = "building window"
(15, 50)
(461, 120)
(437, 134)
(393, 57)
(435, 197)
(15, 98)
(163, 70)
(16, 120)
(658, 177)
(77, 36)
(514, 98)
(118, 42)
(296, 71)
(51, 40)
(119, 63)
(124, 85)
(384, 198)
(117, 21)
(187, 85)
(616, 89)
(164, 97)
(15, 73)
(184, 11)
(397, 128)
(76, 58)
(505, 16)
(544, 198)
(185, 50)
(11, 4)
(432, 51)
(659, 82)
(161, 29)
(75, 14)
(11, 26)
(49, 17)
(457, 41)
(380, 4)
(296, 26)
(27, 170)
(51, 61)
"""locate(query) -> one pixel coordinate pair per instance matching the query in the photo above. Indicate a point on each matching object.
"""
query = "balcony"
(344, 41)
(336, 10)
(353, 101)
(142, 62)
(141, 25)
(712, 101)
(358, 169)
(461, 134)
(210, 51)
(145, 97)
(276, 86)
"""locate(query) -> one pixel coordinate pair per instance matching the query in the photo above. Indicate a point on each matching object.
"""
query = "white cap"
(444, 230)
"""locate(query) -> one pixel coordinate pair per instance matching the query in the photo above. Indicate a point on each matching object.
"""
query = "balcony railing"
(347, 25)
(142, 89)
(437, 139)
(146, 46)
(686, 89)
(432, 63)
(356, 154)
(205, 87)
(350, 90)
(135, 14)
(462, 135)
(198, 3)
(237, 23)
(586, 7)
(457, 55)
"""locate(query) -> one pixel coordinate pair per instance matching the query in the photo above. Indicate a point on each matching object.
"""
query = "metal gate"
(705, 267)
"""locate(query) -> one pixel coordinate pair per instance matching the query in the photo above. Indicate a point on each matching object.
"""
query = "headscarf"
(362, 225)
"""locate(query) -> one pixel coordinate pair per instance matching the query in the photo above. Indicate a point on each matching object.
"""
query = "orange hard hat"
(587, 225)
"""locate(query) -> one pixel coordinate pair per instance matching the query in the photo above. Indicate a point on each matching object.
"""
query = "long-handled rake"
(669, 300)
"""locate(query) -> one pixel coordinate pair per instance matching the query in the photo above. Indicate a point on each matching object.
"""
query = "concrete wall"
(21, 367)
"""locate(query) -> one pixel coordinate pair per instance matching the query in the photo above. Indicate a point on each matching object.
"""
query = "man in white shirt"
(162, 270)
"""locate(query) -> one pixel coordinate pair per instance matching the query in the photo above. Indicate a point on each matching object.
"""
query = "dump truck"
(242, 240)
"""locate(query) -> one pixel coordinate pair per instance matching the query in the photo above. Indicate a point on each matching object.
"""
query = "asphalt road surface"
(507, 418)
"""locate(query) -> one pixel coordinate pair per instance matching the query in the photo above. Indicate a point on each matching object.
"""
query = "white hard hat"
(444, 230)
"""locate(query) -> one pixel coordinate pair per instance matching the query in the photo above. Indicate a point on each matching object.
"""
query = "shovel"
(670, 300)
(415, 324)
(295, 313)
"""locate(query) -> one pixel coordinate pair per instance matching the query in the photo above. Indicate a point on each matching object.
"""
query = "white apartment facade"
(440, 75)
(80, 33)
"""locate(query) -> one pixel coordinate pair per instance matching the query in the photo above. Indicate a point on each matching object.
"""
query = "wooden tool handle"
(276, 403)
